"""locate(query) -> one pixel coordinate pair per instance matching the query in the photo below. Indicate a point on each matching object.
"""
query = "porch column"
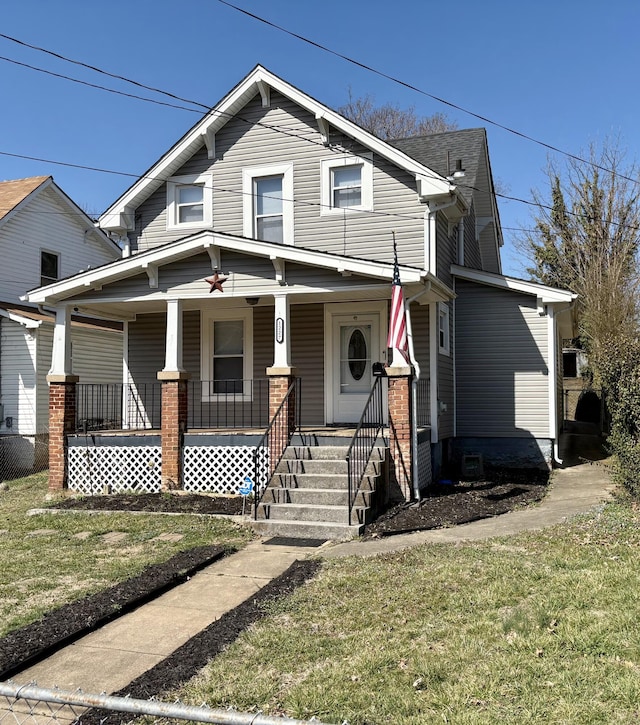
(174, 400)
(62, 400)
(281, 375)
(400, 430)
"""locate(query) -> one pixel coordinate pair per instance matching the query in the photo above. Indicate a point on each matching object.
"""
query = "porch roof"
(90, 285)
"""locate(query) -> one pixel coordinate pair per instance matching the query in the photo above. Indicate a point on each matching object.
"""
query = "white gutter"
(553, 373)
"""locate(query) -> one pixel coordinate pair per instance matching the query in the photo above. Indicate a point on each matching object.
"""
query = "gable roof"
(118, 216)
(17, 193)
(14, 192)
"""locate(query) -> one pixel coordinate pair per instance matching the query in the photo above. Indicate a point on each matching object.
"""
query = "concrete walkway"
(110, 658)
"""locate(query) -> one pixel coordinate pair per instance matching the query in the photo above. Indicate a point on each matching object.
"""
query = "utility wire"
(422, 92)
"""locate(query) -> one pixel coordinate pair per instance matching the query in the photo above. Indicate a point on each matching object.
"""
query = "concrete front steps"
(308, 496)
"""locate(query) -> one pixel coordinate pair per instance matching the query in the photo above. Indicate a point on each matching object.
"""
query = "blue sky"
(564, 72)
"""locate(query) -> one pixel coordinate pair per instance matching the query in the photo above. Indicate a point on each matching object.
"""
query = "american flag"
(397, 337)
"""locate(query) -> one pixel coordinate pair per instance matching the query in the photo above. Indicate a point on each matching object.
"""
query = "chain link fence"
(33, 705)
(21, 455)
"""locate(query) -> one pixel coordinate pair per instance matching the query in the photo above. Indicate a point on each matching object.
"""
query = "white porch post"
(282, 332)
(433, 369)
(173, 345)
(61, 356)
(125, 375)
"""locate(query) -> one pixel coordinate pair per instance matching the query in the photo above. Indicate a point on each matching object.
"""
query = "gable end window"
(347, 184)
(49, 267)
(226, 355)
(443, 328)
(189, 202)
(267, 194)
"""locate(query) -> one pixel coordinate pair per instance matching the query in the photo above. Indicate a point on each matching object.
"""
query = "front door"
(355, 347)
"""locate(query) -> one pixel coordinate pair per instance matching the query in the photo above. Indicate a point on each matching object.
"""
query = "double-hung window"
(189, 202)
(268, 210)
(347, 183)
(49, 267)
(226, 354)
(268, 203)
(443, 328)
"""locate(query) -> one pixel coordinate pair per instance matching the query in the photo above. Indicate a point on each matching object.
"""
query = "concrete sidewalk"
(573, 490)
(114, 655)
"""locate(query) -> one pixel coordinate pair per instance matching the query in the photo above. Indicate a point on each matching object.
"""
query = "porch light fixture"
(252, 301)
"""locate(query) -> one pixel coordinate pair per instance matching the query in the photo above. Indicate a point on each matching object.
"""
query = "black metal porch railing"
(276, 438)
(423, 402)
(364, 439)
(228, 403)
(114, 406)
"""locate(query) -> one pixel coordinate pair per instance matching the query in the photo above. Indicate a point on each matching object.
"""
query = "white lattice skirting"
(95, 470)
(424, 464)
(221, 469)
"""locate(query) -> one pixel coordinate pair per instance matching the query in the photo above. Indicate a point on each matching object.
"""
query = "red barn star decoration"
(216, 281)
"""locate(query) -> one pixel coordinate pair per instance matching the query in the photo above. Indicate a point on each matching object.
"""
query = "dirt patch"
(460, 502)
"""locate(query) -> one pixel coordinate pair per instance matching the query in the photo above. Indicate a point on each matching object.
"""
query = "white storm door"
(355, 346)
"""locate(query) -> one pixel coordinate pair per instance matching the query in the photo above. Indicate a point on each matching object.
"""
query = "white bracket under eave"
(214, 256)
(345, 272)
(152, 274)
(209, 137)
(278, 265)
(323, 127)
(265, 93)
(540, 306)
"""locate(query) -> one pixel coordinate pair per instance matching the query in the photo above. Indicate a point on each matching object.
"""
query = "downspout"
(414, 391)
(553, 373)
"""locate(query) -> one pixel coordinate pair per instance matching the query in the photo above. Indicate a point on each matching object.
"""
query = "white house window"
(268, 203)
(189, 202)
(267, 194)
(443, 328)
(49, 267)
(347, 183)
(226, 354)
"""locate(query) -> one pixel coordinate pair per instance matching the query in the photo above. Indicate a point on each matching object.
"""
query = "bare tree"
(389, 121)
(587, 238)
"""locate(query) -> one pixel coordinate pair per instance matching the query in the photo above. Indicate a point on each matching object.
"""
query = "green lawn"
(541, 627)
(43, 564)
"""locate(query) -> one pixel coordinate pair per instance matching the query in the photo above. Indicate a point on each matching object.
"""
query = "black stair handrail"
(364, 440)
(282, 426)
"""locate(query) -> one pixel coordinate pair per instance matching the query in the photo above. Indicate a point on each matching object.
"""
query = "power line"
(422, 92)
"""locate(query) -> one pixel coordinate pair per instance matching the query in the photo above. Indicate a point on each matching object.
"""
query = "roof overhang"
(213, 242)
(119, 216)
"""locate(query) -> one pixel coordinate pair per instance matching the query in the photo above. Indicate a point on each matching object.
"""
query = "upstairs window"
(347, 184)
(189, 202)
(267, 193)
(268, 209)
(49, 267)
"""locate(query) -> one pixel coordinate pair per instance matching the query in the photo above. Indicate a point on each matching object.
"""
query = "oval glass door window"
(357, 354)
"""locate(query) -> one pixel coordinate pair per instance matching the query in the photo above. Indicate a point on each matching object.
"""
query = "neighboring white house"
(44, 237)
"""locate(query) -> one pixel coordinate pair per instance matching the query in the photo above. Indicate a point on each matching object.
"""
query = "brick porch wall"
(279, 437)
(174, 424)
(62, 421)
(400, 475)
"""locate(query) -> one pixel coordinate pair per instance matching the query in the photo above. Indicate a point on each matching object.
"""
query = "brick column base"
(174, 423)
(280, 380)
(400, 451)
(62, 422)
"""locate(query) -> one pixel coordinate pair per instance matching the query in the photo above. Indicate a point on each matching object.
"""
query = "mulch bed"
(190, 503)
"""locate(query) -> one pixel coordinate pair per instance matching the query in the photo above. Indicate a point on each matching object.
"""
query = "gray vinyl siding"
(44, 351)
(472, 257)
(446, 384)
(249, 143)
(420, 327)
(307, 356)
(18, 381)
(446, 253)
(502, 370)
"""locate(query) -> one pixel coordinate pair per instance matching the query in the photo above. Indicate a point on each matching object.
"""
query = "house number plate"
(279, 330)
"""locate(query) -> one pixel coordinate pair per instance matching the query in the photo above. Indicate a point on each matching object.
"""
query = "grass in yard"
(541, 627)
(43, 564)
